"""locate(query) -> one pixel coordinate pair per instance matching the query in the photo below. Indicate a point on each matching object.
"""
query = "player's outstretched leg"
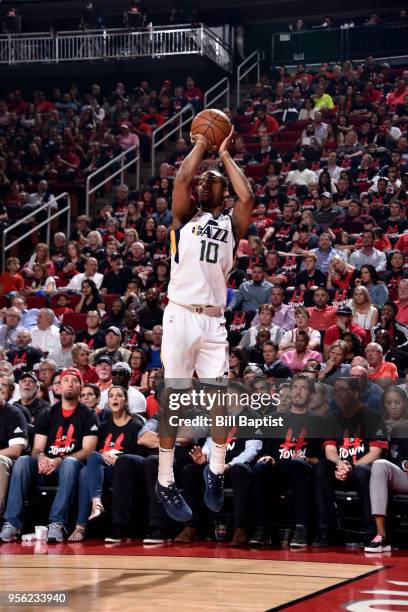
(167, 492)
(214, 477)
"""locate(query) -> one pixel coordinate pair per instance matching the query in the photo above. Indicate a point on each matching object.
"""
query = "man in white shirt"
(63, 355)
(332, 168)
(121, 372)
(301, 176)
(91, 273)
(368, 255)
(45, 335)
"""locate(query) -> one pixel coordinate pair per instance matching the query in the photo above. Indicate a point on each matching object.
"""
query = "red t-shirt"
(10, 283)
(334, 333)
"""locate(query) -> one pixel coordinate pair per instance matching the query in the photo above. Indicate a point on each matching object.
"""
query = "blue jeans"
(25, 473)
(91, 481)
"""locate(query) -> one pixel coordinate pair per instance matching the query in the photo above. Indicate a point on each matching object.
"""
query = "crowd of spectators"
(316, 306)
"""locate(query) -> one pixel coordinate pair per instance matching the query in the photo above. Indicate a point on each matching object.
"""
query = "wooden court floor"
(126, 583)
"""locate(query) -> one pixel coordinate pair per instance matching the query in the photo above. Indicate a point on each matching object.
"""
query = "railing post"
(137, 170)
(87, 195)
(259, 64)
(3, 251)
(69, 216)
(122, 172)
(153, 151)
(202, 39)
(48, 224)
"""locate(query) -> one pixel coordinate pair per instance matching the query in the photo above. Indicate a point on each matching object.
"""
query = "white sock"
(166, 458)
(217, 459)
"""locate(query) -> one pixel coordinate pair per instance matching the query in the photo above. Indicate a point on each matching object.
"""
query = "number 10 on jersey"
(209, 251)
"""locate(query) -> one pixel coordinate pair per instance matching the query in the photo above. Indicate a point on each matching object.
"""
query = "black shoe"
(322, 539)
(118, 534)
(378, 544)
(299, 539)
(173, 503)
(259, 538)
(156, 536)
(214, 490)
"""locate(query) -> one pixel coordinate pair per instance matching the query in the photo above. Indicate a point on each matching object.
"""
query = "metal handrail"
(118, 159)
(102, 44)
(241, 75)
(225, 92)
(188, 111)
(47, 221)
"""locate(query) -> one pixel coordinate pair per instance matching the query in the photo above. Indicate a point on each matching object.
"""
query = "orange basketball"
(213, 124)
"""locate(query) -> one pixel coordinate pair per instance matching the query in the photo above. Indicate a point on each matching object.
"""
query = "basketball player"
(203, 244)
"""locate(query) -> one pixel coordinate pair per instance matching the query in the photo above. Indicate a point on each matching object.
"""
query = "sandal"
(78, 535)
(97, 510)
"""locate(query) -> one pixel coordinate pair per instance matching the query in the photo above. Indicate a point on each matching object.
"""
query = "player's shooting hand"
(227, 142)
(200, 138)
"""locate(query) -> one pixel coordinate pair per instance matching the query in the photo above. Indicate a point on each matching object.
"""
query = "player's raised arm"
(242, 212)
(183, 208)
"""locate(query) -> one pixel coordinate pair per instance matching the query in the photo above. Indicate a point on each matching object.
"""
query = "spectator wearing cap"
(368, 255)
(325, 253)
(46, 335)
(104, 371)
(63, 355)
(344, 322)
(121, 373)
(112, 348)
(81, 354)
(13, 440)
(127, 138)
(10, 329)
(91, 273)
(24, 356)
(65, 435)
(92, 336)
(116, 280)
(384, 372)
(302, 175)
(30, 403)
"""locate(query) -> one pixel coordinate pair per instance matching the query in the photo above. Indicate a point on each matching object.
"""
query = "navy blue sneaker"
(214, 490)
(173, 503)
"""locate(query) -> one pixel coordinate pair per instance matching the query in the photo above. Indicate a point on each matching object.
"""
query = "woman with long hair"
(364, 314)
(354, 346)
(369, 278)
(238, 361)
(117, 436)
(148, 233)
(132, 218)
(139, 377)
(90, 298)
(131, 236)
(341, 275)
(325, 183)
(41, 283)
(40, 255)
(74, 261)
(389, 476)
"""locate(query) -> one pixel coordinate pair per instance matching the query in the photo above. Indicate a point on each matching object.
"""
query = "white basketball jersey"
(202, 255)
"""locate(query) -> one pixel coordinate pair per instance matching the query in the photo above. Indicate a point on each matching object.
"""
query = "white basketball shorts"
(193, 342)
